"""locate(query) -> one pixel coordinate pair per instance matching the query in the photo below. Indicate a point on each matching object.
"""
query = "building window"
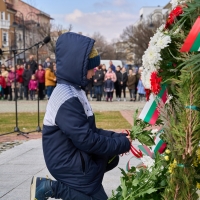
(3, 15)
(5, 39)
(8, 17)
(20, 37)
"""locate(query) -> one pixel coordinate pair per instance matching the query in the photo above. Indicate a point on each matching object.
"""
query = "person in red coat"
(40, 77)
(2, 86)
(20, 71)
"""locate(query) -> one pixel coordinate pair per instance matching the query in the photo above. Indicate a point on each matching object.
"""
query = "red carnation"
(155, 83)
(173, 15)
(148, 92)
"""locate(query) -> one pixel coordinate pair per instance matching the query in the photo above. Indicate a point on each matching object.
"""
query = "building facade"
(153, 14)
(6, 30)
(25, 26)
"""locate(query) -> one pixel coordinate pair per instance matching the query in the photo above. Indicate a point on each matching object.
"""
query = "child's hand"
(129, 138)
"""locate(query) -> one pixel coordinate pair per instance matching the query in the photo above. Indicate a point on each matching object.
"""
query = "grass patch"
(111, 120)
(28, 121)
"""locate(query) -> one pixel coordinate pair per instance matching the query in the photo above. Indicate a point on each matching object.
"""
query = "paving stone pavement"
(19, 164)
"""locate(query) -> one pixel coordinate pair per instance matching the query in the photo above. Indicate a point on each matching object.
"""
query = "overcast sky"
(109, 17)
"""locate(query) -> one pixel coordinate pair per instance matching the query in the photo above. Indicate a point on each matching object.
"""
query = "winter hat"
(94, 59)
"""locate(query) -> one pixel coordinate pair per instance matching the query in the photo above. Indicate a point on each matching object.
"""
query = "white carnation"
(163, 42)
(146, 76)
(175, 3)
(154, 131)
(153, 55)
(148, 162)
(146, 64)
(154, 39)
(161, 28)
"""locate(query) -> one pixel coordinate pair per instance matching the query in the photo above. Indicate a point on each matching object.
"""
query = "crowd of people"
(32, 78)
(118, 79)
(25, 80)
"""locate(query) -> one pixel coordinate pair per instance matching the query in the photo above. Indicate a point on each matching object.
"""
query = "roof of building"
(40, 12)
(168, 5)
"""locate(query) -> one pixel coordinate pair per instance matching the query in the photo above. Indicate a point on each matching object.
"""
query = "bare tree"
(136, 38)
(106, 50)
(54, 31)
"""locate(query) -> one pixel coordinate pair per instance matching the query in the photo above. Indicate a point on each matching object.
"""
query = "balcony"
(4, 24)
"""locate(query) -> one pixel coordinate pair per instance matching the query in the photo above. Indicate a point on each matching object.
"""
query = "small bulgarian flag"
(192, 42)
(150, 112)
(160, 145)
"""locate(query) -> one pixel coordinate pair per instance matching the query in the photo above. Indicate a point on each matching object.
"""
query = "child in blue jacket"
(76, 152)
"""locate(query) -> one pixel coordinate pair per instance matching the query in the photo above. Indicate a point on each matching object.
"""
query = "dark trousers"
(26, 92)
(91, 92)
(103, 91)
(123, 87)
(62, 191)
(10, 92)
(98, 90)
(32, 94)
(94, 92)
(41, 88)
(132, 93)
(141, 97)
(109, 95)
(21, 89)
(49, 90)
(16, 90)
(6, 92)
(118, 90)
(1, 92)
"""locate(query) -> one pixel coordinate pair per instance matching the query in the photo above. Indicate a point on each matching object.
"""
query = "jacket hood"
(72, 58)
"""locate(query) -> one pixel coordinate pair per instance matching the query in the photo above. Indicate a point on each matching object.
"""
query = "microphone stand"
(16, 129)
(38, 129)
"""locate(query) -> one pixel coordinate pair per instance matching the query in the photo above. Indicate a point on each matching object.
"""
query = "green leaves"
(142, 184)
(135, 182)
(139, 131)
(144, 138)
(124, 188)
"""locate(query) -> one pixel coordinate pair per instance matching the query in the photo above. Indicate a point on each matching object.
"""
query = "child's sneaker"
(40, 188)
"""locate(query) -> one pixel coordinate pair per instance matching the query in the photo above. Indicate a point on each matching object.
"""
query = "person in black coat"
(124, 78)
(33, 64)
(88, 88)
(104, 72)
(26, 78)
(118, 89)
(98, 82)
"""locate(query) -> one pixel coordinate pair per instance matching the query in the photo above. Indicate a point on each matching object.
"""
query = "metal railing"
(4, 24)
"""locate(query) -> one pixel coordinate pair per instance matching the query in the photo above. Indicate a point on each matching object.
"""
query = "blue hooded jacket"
(75, 151)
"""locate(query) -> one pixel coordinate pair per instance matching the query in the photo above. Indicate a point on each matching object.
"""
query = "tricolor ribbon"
(134, 151)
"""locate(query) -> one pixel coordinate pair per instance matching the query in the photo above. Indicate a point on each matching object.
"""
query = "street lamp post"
(16, 25)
